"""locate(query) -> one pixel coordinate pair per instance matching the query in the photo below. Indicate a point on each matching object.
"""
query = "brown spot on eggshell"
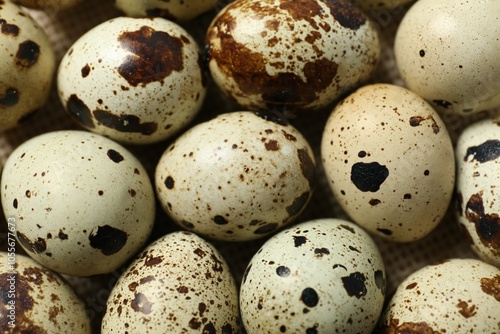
(124, 123)
(346, 14)
(465, 310)
(79, 111)
(265, 229)
(10, 97)
(85, 71)
(417, 120)
(154, 56)
(107, 239)
(491, 286)
(160, 12)
(9, 29)
(272, 145)
(141, 304)
(406, 327)
(37, 247)
(115, 156)
(298, 204)
(27, 54)
(385, 231)
(307, 166)
(487, 225)
(62, 235)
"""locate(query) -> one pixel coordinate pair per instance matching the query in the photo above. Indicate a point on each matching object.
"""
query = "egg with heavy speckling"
(455, 296)
(82, 203)
(26, 68)
(178, 10)
(478, 196)
(440, 56)
(37, 300)
(389, 161)
(290, 56)
(178, 284)
(321, 276)
(237, 177)
(135, 80)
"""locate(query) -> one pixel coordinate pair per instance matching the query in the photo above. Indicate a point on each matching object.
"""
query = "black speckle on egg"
(321, 251)
(309, 297)
(108, 239)
(385, 231)
(299, 240)
(421, 53)
(380, 280)
(354, 284)
(14, 203)
(485, 152)
(115, 156)
(368, 176)
(283, 271)
(268, 228)
(169, 182)
(219, 220)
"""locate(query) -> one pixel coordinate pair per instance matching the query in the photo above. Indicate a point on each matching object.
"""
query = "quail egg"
(178, 10)
(48, 5)
(389, 161)
(373, 6)
(237, 177)
(135, 80)
(82, 203)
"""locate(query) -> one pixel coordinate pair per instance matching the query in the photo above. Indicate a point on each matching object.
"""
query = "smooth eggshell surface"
(447, 52)
(455, 296)
(26, 68)
(321, 276)
(135, 80)
(179, 10)
(390, 162)
(478, 178)
(290, 55)
(239, 176)
(37, 300)
(82, 203)
(178, 284)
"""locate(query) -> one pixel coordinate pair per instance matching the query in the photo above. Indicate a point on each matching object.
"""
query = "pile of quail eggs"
(185, 149)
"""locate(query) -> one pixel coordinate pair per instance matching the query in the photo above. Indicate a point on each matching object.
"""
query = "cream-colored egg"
(389, 160)
(478, 178)
(455, 296)
(37, 300)
(83, 205)
(447, 52)
(290, 55)
(26, 68)
(178, 284)
(179, 10)
(321, 276)
(50, 6)
(239, 176)
(135, 80)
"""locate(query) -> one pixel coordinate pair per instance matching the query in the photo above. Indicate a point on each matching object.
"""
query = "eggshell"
(26, 68)
(321, 276)
(135, 80)
(178, 284)
(456, 296)
(237, 177)
(37, 300)
(478, 178)
(52, 6)
(82, 203)
(373, 6)
(389, 161)
(179, 10)
(447, 52)
(290, 55)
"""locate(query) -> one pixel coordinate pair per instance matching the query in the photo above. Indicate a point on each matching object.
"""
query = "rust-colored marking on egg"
(85, 71)
(406, 327)
(303, 10)
(79, 111)
(485, 152)
(27, 54)
(155, 55)
(151, 261)
(10, 98)
(108, 240)
(272, 145)
(307, 167)
(487, 225)
(8, 29)
(491, 286)
(348, 228)
(465, 310)
(346, 14)
(416, 120)
(124, 123)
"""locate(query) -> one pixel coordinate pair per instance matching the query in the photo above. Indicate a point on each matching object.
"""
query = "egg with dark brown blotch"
(134, 80)
(178, 10)
(37, 300)
(389, 161)
(320, 276)
(178, 284)
(237, 177)
(291, 56)
(83, 204)
(454, 296)
(27, 66)
(478, 195)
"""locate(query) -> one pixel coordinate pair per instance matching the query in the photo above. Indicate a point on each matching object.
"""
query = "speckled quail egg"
(478, 178)
(179, 10)
(389, 161)
(237, 177)
(455, 296)
(321, 276)
(178, 284)
(447, 52)
(27, 65)
(49, 5)
(290, 55)
(373, 6)
(135, 80)
(37, 300)
(82, 203)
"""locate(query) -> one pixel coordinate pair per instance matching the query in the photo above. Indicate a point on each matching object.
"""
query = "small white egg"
(478, 178)
(135, 80)
(455, 296)
(37, 300)
(447, 52)
(389, 161)
(178, 284)
(321, 276)
(290, 55)
(82, 203)
(178, 10)
(237, 177)
(26, 68)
